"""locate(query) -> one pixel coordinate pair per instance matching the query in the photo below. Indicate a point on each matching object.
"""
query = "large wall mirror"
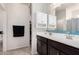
(65, 20)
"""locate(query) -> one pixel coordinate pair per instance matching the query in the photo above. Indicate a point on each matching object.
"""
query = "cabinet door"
(39, 47)
(43, 39)
(52, 51)
(61, 53)
(44, 48)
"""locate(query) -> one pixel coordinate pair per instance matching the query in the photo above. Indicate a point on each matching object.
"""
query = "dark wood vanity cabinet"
(47, 46)
(61, 53)
(44, 48)
(55, 48)
(52, 51)
(39, 46)
(42, 45)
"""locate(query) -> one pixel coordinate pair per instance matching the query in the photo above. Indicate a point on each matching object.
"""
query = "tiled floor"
(21, 51)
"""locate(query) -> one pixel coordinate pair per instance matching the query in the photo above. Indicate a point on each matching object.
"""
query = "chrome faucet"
(50, 33)
(68, 36)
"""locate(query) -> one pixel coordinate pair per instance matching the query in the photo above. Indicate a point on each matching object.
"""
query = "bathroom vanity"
(60, 36)
(57, 44)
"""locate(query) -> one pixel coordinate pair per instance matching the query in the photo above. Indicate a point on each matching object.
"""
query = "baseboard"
(15, 49)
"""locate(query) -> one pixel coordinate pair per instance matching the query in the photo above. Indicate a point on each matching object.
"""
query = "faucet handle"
(50, 33)
(68, 37)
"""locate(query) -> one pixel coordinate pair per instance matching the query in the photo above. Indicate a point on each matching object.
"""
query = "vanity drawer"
(42, 39)
(53, 43)
(68, 50)
(52, 51)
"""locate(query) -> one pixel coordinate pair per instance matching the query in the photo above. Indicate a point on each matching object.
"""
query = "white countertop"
(59, 37)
